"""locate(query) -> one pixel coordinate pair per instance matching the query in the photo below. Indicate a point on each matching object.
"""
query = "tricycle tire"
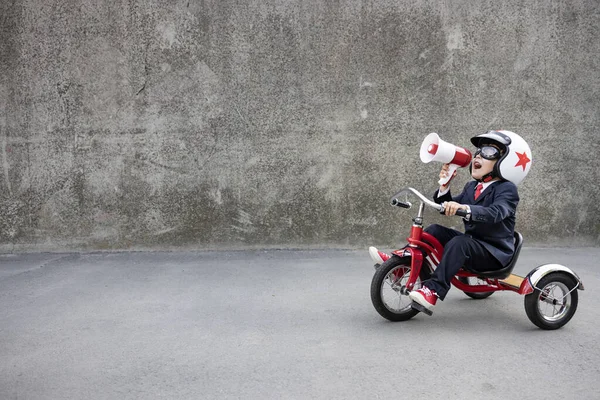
(545, 298)
(476, 296)
(391, 275)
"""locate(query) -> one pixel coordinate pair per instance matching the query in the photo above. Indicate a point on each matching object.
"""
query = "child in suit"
(491, 204)
(501, 162)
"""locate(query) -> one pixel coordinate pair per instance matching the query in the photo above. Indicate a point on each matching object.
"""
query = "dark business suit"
(487, 243)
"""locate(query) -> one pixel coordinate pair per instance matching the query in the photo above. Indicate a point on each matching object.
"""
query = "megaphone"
(435, 149)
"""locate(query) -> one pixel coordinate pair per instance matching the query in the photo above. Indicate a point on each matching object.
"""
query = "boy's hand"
(444, 174)
(450, 208)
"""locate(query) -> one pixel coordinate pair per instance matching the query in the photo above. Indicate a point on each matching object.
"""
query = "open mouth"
(476, 164)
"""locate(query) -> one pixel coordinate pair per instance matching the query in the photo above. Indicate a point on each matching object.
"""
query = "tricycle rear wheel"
(476, 296)
(554, 301)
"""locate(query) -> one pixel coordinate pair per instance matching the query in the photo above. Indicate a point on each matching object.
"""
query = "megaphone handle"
(451, 170)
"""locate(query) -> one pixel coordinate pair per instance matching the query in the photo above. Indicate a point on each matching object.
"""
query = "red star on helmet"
(523, 160)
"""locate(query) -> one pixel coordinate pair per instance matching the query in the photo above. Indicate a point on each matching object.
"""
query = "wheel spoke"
(554, 301)
(390, 294)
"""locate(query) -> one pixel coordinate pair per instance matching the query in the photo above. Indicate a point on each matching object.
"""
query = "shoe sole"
(418, 299)
(421, 308)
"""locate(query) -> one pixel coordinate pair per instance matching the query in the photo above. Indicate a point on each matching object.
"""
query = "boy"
(490, 201)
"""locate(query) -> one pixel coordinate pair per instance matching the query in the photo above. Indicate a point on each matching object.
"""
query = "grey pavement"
(275, 325)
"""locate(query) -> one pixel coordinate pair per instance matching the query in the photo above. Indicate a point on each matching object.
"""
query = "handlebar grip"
(461, 213)
(403, 204)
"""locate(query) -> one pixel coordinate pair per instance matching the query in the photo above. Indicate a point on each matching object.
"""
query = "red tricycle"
(550, 290)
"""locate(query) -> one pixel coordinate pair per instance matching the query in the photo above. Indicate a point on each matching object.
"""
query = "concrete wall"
(207, 123)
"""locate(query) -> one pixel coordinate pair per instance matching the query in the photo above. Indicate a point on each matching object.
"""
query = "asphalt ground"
(276, 325)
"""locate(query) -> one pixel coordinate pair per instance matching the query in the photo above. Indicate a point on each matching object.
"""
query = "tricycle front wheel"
(388, 293)
(554, 301)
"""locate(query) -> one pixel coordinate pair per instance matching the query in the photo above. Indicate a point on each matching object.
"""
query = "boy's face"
(481, 166)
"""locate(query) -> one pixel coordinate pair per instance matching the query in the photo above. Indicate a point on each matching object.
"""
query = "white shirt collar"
(485, 185)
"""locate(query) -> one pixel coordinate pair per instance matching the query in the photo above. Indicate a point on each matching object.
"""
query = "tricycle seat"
(506, 271)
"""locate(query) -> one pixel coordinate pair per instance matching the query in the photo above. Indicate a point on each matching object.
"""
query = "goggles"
(488, 152)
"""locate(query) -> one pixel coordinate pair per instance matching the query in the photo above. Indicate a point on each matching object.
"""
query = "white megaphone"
(435, 149)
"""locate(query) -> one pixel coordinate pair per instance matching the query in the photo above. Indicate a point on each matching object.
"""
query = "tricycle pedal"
(420, 308)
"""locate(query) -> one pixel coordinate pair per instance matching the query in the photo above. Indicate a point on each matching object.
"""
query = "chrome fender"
(538, 273)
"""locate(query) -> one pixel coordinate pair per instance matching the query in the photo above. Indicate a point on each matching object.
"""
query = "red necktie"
(478, 190)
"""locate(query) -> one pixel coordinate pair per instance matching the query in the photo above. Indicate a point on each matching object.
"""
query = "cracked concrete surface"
(154, 125)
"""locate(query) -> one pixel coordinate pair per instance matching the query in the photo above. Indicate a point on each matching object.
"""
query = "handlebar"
(405, 204)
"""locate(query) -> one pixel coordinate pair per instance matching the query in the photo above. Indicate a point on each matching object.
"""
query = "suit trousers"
(459, 250)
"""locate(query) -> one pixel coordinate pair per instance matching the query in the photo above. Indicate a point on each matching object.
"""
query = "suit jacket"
(492, 220)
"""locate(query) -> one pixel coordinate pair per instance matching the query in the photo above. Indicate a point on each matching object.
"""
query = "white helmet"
(516, 160)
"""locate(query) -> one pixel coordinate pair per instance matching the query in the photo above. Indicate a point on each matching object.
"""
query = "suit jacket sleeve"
(448, 196)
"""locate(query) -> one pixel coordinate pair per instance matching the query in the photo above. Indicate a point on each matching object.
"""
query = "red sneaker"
(377, 256)
(425, 297)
